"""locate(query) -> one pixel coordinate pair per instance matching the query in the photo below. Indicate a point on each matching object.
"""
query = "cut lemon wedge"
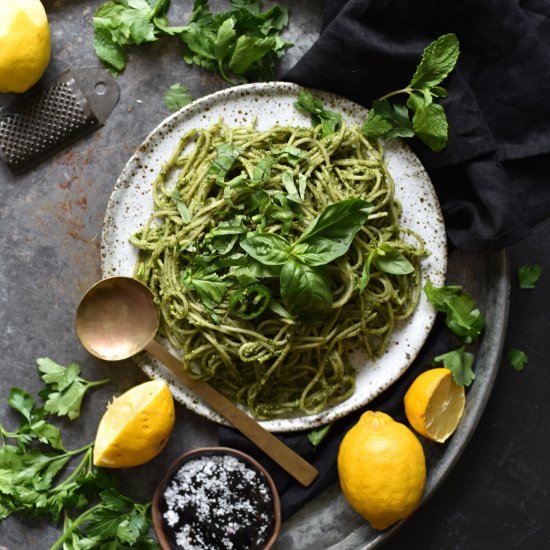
(434, 404)
(135, 427)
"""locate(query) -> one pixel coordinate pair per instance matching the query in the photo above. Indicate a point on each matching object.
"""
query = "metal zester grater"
(41, 123)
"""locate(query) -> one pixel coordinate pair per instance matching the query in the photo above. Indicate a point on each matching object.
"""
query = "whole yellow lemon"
(382, 469)
(24, 44)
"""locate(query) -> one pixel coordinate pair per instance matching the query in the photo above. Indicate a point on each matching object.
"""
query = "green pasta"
(224, 312)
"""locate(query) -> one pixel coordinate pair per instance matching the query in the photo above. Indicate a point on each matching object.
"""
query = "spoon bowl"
(117, 318)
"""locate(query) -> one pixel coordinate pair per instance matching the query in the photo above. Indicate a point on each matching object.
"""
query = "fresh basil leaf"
(261, 271)
(430, 125)
(528, 276)
(177, 96)
(318, 251)
(316, 436)
(288, 181)
(226, 155)
(267, 248)
(305, 290)
(290, 154)
(310, 103)
(517, 359)
(459, 362)
(340, 221)
(222, 238)
(182, 207)
(365, 275)
(390, 260)
(279, 310)
(302, 186)
(438, 60)
(262, 171)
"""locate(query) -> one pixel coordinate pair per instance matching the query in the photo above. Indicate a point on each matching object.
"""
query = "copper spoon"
(117, 318)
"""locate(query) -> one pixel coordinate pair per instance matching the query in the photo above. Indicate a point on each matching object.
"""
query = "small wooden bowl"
(158, 522)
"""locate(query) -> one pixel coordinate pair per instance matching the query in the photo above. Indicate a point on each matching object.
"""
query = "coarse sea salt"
(215, 502)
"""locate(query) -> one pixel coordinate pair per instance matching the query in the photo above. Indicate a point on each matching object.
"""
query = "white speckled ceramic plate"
(272, 103)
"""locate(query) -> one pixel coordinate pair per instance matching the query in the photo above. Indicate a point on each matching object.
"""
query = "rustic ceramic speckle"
(272, 103)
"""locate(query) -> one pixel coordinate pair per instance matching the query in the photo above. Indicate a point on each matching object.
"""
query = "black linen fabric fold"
(498, 108)
(492, 178)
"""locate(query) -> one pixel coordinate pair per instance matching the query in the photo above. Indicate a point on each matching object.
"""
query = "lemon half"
(135, 427)
(434, 404)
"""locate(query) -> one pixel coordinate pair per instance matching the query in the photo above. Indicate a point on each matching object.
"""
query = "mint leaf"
(459, 362)
(517, 359)
(529, 275)
(438, 60)
(388, 121)
(177, 96)
(429, 122)
(430, 125)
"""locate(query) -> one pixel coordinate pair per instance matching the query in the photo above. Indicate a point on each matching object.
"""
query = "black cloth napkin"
(492, 178)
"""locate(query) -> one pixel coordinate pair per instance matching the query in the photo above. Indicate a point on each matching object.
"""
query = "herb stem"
(75, 524)
(407, 90)
(85, 462)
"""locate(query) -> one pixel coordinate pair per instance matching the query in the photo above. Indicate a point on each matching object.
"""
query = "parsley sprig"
(463, 319)
(240, 44)
(31, 470)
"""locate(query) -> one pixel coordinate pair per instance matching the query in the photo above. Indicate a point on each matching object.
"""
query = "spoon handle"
(292, 462)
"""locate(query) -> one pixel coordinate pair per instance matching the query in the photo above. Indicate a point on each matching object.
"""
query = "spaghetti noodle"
(223, 312)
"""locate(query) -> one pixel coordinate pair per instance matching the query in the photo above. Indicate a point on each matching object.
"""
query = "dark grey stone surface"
(497, 495)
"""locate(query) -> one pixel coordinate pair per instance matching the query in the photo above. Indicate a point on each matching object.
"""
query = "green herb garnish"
(30, 470)
(65, 389)
(241, 43)
(429, 123)
(517, 359)
(392, 120)
(176, 97)
(463, 318)
(316, 436)
(459, 362)
(528, 276)
(304, 280)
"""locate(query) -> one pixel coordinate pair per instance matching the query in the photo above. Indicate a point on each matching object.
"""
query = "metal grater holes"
(43, 123)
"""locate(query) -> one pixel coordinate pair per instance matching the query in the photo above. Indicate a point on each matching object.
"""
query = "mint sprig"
(428, 122)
